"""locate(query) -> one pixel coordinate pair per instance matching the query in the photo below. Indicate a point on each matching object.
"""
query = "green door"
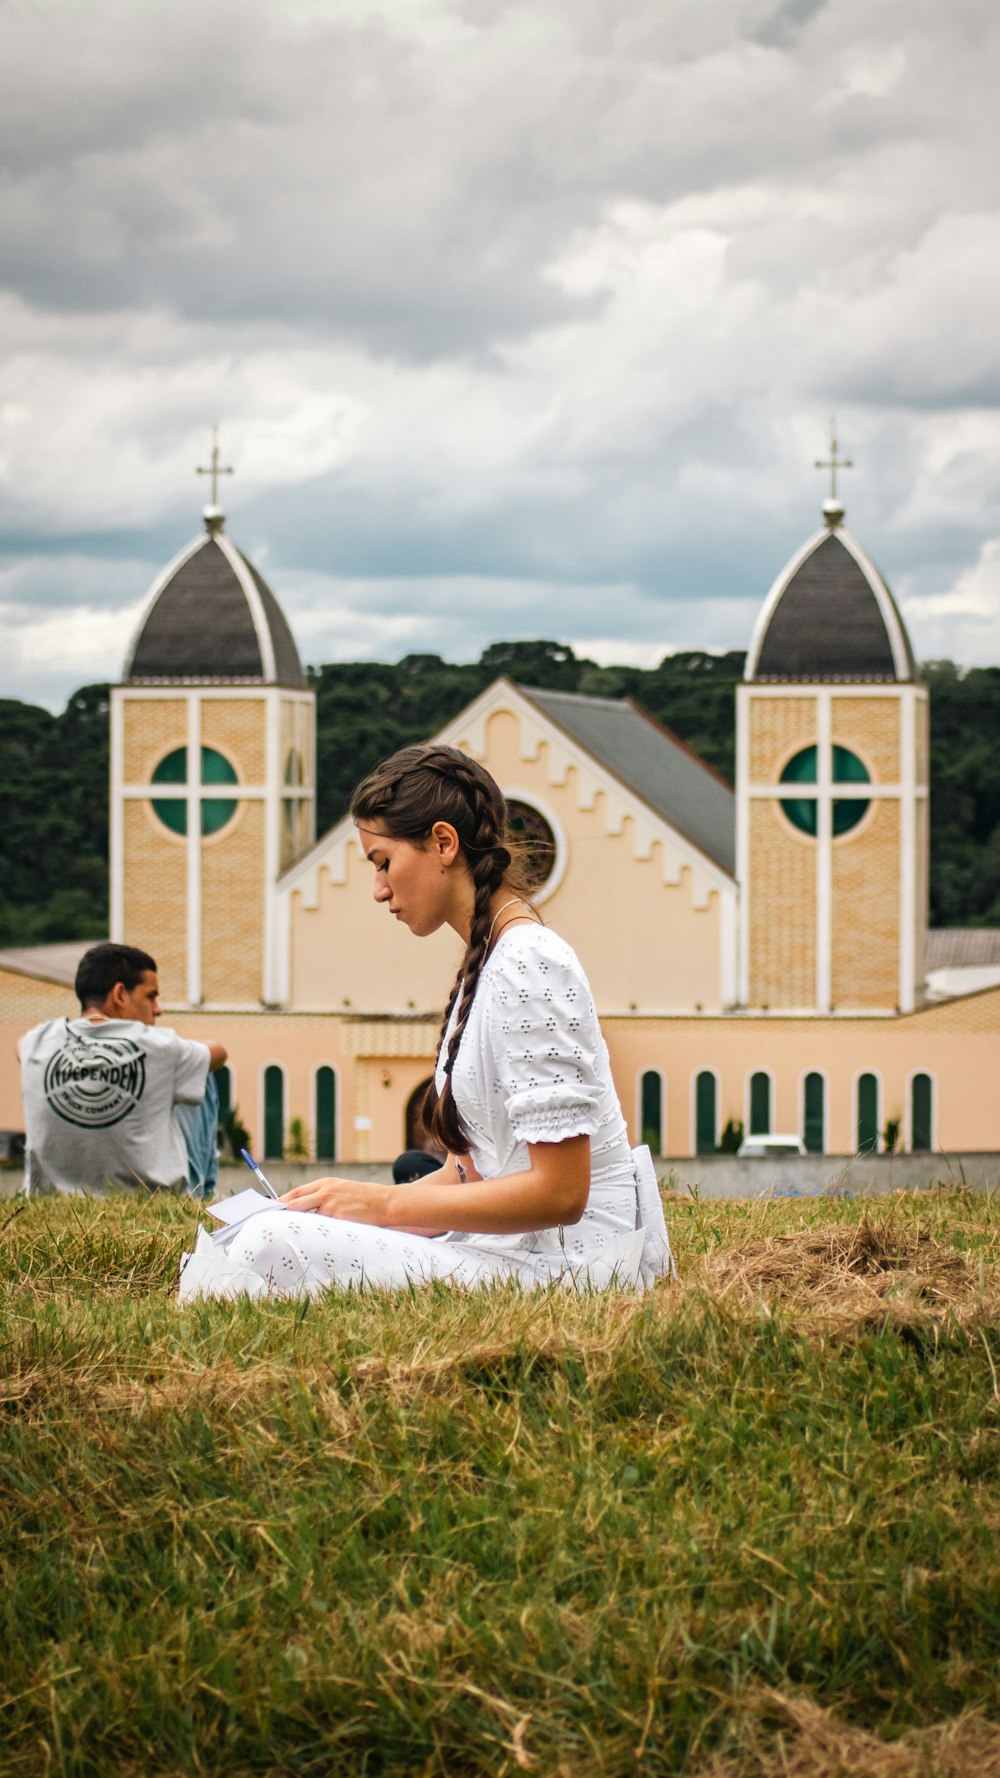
(705, 1112)
(813, 1094)
(868, 1114)
(326, 1114)
(274, 1113)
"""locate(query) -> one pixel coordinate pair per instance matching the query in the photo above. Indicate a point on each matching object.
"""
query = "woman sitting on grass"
(539, 1181)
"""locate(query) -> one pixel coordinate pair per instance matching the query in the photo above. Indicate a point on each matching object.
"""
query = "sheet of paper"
(241, 1205)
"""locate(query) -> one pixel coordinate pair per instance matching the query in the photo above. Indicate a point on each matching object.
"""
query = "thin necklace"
(515, 901)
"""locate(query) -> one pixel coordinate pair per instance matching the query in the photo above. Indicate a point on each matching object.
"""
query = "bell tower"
(831, 785)
(212, 773)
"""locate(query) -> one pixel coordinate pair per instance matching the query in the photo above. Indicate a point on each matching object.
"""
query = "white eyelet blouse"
(533, 1066)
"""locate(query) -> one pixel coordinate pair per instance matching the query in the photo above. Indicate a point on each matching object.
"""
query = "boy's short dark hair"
(104, 965)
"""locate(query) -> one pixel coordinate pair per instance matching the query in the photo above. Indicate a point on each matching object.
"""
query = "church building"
(759, 956)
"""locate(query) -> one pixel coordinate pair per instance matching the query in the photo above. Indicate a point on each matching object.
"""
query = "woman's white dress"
(532, 1067)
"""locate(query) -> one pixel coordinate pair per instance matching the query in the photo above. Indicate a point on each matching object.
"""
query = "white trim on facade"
(193, 848)
(272, 845)
(907, 855)
(824, 849)
(743, 843)
(116, 834)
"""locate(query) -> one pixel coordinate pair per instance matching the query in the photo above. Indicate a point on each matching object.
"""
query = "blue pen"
(252, 1164)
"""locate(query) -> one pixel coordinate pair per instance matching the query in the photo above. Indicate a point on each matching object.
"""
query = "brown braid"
(406, 795)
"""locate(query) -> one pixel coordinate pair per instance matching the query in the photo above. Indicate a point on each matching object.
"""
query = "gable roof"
(653, 763)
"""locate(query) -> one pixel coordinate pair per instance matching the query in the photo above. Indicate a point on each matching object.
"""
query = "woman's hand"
(353, 1200)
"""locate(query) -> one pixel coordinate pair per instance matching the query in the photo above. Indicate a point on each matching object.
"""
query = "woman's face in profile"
(410, 879)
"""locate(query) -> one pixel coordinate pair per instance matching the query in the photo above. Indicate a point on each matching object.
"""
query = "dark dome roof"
(830, 616)
(212, 617)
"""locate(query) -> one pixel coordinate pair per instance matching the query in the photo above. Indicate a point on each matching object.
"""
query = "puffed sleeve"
(546, 1031)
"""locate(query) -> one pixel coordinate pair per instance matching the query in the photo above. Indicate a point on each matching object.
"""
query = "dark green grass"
(437, 1533)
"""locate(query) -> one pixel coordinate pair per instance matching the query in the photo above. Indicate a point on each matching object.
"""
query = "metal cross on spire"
(833, 509)
(213, 514)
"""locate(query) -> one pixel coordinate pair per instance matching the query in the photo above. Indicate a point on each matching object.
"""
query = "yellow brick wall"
(296, 729)
(152, 728)
(237, 727)
(232, 911)
(864, 961)
(778, 728)
(26, 1001)
(921, 825)
(870, 728)
(155, 913)
(782, 911)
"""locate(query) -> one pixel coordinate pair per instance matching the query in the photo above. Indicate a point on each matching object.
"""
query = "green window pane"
(868, 1114)
(173, 768)
(216, 769)
(921, 1113)
(801, 812)
(848, 768)
(705, 1119)
(813, 1094)
(801, 768)
(173, 814)
(274, 1113)
(651, 1109)
(760, 1104)
(847, 815)
(214, 815)
(326, 1114)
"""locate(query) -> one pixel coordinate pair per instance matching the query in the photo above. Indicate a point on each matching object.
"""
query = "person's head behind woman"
(405, 798)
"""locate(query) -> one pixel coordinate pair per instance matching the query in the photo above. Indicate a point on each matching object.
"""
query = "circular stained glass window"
(847, 811)
(215, 811)
(536, 843)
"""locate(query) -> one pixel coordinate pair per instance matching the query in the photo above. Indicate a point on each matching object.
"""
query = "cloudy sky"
(517, 318)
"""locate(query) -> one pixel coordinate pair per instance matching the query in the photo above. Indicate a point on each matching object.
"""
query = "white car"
(767, 1147)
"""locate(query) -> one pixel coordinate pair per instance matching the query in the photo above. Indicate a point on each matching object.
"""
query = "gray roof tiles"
(962, 947)
(201, 625)
(653, 763)
(833, 620)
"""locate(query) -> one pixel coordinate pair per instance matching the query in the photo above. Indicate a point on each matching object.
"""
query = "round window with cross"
(801, 810)
(216, 811)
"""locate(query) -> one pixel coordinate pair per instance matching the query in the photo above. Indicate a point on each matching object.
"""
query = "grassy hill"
(745, 1525)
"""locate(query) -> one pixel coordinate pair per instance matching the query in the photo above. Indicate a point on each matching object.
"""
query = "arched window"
(813, 1113)
(326, 1114)
(651, 1110)
(215, 811)
(760, 1104)
(921, 1113)
(867, 1120)
(274, 1112)
(706, 1116)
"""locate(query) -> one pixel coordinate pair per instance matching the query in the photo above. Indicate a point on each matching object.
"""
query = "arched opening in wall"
(760, 1104)
(706, 1115)
(224, 1088)
(651, 1110)
(921, 1114)
(535, 842)
(326, 1114)
(867, 1119)
(415, 1130)
(813, 1113)
(274, 1112)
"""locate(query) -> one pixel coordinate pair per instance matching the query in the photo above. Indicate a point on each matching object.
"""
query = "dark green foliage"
(53, 769)
(54, 820)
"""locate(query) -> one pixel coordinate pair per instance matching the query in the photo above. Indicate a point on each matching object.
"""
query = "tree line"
(54, 768)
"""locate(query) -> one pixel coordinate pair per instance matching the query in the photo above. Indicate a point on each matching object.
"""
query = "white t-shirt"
(533, 1066)
(99, 1104)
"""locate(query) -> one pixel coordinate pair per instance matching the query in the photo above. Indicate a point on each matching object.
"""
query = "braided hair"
(406, 795)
